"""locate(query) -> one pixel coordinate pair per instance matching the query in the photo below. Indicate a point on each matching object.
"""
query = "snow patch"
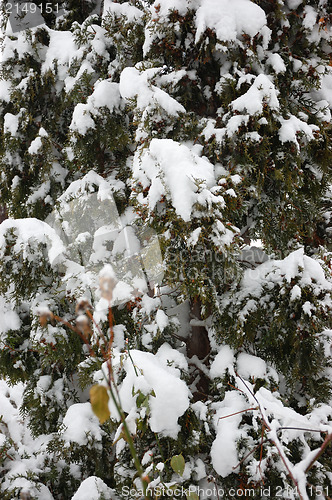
(250, 366)
(80, 421)
(224, 360)
(93, 488)
(105, 94)
(230, 19)
(261, 92)
(136, 84)
(173, 170)
(158, 373)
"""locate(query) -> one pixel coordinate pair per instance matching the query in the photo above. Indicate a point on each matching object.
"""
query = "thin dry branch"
(320, 451)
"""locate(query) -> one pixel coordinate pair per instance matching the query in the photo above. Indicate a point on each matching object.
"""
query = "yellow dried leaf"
(99, 402)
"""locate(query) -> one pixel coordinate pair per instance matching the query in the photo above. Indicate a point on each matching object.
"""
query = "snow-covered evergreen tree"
(166, 171)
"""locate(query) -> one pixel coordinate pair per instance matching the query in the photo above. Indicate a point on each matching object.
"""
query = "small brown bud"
(82, 306)
(45, 316)
(83, 324)
(107, 282)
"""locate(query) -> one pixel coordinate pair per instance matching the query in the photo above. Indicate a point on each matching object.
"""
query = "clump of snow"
(84, 185)
(62, 50)
(156, 374)
(172, 358)
(261, 92)
(292, 126)
(93, 488)
(224, 448)
(235, 122)
(224, 360)
(162, 320)
(136, 84)
(293, 4)
(81, 120)
(31, 229)
(105, 94)
(295, 293)
(40, 193)
(277, 63)
(85, 69)
(11, 123)
(165, 6)
(310, 17)
(192, 241)
(5, 87)
(172, 169)
(230, 19)
(10, 320)
(131, 13)
(250, 366)
(15, 47)
(296, 264)
(79, 422)
(308, 307)
(35, 146)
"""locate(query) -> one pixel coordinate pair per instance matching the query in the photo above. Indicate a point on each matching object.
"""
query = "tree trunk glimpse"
(198, 343)
(3, 213)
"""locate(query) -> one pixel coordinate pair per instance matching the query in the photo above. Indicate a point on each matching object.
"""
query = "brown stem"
(237, 412)
(280, 452)
(110, 322)
(97, 326)
(274, 441)
(321, 450)
(247, 455)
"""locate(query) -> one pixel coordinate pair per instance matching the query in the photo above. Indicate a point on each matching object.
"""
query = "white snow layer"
(296, 264)
(173, 170)
(10, 320)
(5, 87)
(251, 366)
(105, 94)
(224, 448)
(80, 421)
(131, 12)
(261, 92)
(11, 123)
(35, 146)
(159, 377)
(230, 19)
(292, 126)
(61, 52)
(277, 63)
(93, 488)
(224, 360)
(136, 84)
(31, 229)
